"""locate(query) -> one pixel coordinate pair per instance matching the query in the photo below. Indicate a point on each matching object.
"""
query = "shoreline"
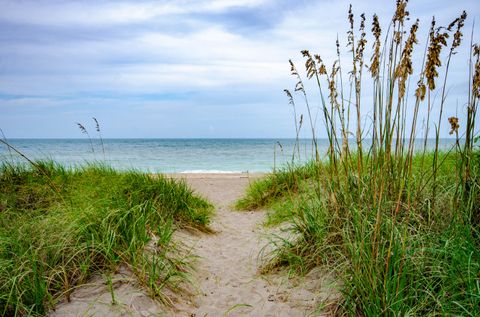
(254, 175)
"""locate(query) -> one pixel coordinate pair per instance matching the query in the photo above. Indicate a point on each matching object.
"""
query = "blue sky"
(177, 68)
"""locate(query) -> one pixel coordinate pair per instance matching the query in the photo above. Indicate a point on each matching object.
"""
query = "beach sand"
(226, 277)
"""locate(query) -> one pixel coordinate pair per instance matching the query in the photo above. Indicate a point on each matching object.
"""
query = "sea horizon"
(174, 155)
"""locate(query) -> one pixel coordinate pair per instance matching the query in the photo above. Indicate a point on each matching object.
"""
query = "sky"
(180, 69)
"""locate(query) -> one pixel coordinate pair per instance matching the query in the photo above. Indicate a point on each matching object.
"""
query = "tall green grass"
(58, 226)
(398, 222)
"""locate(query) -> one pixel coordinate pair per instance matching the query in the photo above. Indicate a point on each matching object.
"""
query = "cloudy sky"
(179, 68)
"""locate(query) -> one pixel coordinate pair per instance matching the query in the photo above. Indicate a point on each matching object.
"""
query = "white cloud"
(104, 13)
(142, 55)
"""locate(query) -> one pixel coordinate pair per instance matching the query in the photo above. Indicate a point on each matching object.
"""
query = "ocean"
(171, 155)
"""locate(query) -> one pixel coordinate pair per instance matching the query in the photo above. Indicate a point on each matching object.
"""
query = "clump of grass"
(58, 226)
(397, 221)
(263, 192)
(281, 192)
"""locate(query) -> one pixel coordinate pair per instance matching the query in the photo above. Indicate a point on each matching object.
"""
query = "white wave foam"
(210, 172)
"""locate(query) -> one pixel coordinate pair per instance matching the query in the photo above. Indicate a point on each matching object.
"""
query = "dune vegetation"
(59, 226)
(395, 220)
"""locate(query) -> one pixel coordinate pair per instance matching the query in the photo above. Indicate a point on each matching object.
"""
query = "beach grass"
(59, 226)
(279, 192)
(397, 222)
(422, 262)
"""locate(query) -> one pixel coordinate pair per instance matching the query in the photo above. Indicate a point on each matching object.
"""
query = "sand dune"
(227, 279)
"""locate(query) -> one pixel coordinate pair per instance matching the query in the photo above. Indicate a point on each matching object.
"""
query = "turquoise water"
(163, 155)
(169, 155)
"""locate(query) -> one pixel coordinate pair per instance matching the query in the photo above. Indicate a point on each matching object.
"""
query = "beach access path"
(227, 281)
(228, 268)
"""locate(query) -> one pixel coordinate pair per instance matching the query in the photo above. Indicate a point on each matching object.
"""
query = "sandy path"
(227, 279)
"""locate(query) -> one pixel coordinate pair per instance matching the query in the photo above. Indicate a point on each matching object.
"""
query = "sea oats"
(322, 70)
(294, 72)
(310, 65)
(289, 95)
(350, 34)
(453, 124)
(401, 12)
(85, 131)
(421, 90)
(332, 85)
(82, 128)
(376, 31)
(457, 37)
(405, 68)
(476, 75)
(361, 42)
(438, 40)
